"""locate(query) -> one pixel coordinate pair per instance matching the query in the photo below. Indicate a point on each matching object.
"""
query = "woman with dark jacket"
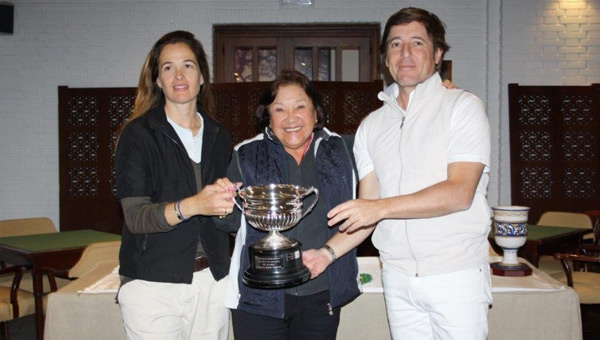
(173, 261)
(296, 149)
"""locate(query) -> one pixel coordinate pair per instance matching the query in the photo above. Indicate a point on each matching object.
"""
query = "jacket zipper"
(174, 141)
(182, 149)
(405, 222)
(144, 243)
(301, 235)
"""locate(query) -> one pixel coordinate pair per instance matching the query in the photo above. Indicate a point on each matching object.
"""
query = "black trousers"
(306, 318)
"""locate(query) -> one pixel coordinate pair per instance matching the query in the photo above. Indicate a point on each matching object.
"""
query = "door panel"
(323, 52)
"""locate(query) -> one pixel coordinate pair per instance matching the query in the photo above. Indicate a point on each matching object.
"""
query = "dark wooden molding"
(284, 36)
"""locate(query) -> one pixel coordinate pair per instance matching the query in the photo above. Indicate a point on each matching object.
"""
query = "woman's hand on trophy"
(316, 260)
(216, 199)
(226, 185)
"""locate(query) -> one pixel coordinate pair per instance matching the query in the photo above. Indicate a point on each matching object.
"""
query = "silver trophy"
(275, 260)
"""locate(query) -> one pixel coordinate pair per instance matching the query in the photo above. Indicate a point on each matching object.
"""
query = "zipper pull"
(402, 123)
(330, 308)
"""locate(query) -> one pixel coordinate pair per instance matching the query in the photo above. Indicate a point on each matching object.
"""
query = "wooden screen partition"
(555, 147)
(90, 118)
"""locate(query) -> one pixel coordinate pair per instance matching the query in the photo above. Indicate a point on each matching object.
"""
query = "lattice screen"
(90, 118)
(555, 147)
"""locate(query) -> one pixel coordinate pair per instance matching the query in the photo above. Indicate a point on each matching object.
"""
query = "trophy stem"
(274, 236)
(274, 240)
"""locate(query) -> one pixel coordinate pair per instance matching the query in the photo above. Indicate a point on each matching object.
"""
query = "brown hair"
(149, 95)
(289, 77)
(433, 25)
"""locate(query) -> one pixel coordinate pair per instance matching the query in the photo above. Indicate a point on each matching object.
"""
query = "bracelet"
(330, 251)
(177, 207)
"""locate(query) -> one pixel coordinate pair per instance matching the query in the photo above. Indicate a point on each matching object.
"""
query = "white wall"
(545, 42)
(102, 43)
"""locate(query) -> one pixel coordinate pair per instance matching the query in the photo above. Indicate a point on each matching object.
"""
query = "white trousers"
(447, 306)
(168, 311)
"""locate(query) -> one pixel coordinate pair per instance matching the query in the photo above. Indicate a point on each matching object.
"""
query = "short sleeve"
(364, 163)
(469, 132)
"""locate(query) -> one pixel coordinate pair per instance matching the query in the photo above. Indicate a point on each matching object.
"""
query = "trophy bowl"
(275, 260)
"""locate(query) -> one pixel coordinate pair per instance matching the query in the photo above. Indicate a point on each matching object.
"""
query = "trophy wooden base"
(520, 269)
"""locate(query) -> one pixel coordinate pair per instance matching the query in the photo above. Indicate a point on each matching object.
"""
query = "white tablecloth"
(534, 307)
(531, 307)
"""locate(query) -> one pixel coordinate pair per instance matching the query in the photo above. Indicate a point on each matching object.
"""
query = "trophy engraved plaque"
(275, 260)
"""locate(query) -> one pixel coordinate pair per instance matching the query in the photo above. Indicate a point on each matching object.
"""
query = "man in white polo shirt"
(423, 161)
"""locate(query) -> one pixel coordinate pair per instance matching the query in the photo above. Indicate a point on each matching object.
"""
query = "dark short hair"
(289, 77)
(433, 25)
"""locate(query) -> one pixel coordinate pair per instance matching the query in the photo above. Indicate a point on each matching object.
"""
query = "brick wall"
(102, 43)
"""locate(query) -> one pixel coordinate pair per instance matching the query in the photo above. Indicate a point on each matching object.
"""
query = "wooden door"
(259, 52)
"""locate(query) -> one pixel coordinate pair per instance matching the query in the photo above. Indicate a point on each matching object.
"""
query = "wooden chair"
(21, 227)
(26, 226)
(561, 219)
(566, 219)
(595, 216)
(584, 278)
(93, 255)
(14, 302)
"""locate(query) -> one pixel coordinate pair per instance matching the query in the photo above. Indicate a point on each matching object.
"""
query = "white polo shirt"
(410, 150)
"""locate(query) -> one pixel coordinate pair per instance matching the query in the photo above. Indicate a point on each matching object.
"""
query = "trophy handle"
(310, 191)
(236, 203)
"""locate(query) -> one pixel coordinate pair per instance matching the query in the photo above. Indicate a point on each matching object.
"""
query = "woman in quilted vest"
(294, 148)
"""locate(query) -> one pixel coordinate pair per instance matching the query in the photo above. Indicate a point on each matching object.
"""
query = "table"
(546, 240)
(54, 251)
(536, 307)
(519, 311)
(73, 315)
